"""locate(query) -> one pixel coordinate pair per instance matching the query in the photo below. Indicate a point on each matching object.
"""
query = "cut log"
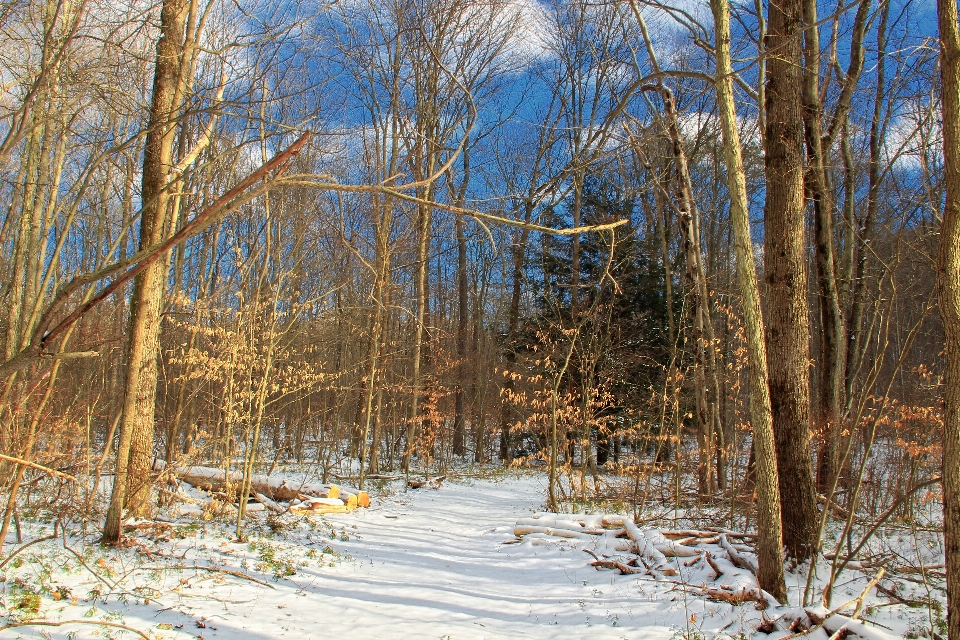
(327, 502)
(612, 522)
(318, 507)
(275, 488)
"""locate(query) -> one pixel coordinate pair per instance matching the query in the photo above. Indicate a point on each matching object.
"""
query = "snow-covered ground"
(418, 564)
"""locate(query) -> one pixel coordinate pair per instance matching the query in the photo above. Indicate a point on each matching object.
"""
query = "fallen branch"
(621, 567)
(49, 623)
(15, 552)
(522, 530)
(231, 572)
(735, 558)
(713, 564)
(38, 467)
(736, 598)
(268, 503)
(821, 620)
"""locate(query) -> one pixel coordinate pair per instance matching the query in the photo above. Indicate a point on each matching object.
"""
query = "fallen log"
(736, 558)
(591, 520)
(213, 479)
(668, 547)
(522, 530)
(559, 524)
(275, 488)
(645, 548)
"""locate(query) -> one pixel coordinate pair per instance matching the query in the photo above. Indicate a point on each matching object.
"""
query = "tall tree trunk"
(513, 325)
(858, 286)
(131, 487)
(377, 323)
(769, 544)
(463, 310)
(706, 382)
(948, 276)
(420, 283)
(463, 369)
(831, 361)
(785, 274)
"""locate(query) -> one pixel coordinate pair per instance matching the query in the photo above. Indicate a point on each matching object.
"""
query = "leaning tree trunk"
(706, 381)
(131, 487)
(769, 543)
(948, 276)
(785, 273)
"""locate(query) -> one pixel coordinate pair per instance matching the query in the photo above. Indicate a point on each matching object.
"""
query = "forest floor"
(426, 563)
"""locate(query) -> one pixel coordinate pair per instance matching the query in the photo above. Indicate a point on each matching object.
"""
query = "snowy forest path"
(436, 564)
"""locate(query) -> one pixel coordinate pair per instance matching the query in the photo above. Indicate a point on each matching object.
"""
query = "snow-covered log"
(836, 622)
(646, 549)
(268, 503)
(668, 547)
(523, 529)
(736, 557)
(589, 520)
(557, 523)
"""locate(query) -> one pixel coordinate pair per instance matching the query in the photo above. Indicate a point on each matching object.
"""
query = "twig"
(236, 574)
(49, 623)
(229, 572)
(29, 544)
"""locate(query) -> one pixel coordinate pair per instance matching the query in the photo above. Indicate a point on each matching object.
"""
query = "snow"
(428, 563)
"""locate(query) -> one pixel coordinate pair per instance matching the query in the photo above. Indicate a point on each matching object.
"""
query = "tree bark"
(785, 274)
(948, 276)
(134, 454)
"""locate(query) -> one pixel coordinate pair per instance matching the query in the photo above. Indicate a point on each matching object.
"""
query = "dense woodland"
(715, 245)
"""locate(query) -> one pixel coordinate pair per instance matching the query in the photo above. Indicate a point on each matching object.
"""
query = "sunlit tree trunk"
(131, 489)
(785, 274)
(769, 543)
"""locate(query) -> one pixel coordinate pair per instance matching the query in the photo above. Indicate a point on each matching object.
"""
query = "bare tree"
(948, 277)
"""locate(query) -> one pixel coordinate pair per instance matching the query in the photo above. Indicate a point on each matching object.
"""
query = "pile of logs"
(273, 492)
(703, 556)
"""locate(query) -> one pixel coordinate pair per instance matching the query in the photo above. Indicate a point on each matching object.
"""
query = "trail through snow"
(434, 563)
